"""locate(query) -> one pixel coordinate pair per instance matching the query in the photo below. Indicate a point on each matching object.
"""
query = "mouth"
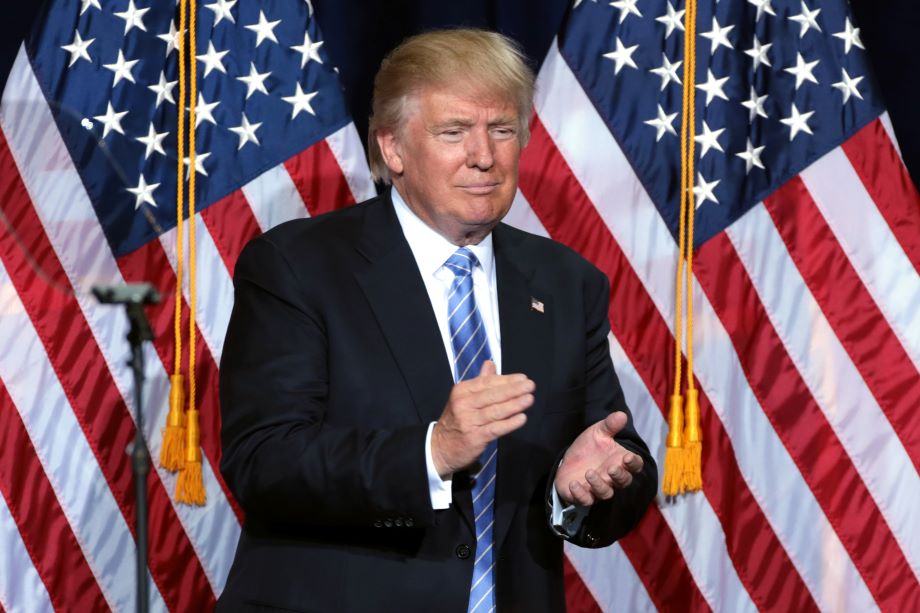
(480, 189)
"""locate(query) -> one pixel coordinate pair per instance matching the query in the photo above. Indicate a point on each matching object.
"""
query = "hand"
(478, 411)
(595, 465)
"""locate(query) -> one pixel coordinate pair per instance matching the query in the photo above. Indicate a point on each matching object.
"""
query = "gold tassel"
(190, 485)
(675, 453)
(692, 480)
(172, 453)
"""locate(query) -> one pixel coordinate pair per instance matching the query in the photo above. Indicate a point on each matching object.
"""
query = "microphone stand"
(134, 296)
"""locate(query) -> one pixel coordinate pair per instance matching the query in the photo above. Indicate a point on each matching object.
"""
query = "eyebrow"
(451, 123)
(465, 123)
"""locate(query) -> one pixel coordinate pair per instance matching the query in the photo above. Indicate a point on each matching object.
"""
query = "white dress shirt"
(431, 251)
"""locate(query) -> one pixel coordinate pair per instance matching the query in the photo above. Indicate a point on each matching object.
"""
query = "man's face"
(455, 161)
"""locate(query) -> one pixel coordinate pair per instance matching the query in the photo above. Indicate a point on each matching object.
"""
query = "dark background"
(357, 34)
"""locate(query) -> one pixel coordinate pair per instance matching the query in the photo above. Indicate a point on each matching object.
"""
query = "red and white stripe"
(66, 401)
(22, 585)
(805, 327)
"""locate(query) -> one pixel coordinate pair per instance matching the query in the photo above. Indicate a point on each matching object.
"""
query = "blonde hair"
(485, 63)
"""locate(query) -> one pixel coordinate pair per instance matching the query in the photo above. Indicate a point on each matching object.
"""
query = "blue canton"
(778, 84)
(267, 92)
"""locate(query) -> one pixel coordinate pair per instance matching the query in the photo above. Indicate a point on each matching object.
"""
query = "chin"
(481, 225)
(480, 222)
(489, 206)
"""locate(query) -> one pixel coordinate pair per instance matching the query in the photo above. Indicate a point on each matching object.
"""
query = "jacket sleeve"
(608, 520)
(281, 459)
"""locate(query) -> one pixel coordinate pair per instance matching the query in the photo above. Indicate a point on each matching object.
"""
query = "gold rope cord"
(682, 462)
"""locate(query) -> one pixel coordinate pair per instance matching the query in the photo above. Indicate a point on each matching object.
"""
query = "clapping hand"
(479, 411)
(595, 465)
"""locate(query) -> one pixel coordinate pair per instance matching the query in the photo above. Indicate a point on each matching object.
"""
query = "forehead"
(459, 102)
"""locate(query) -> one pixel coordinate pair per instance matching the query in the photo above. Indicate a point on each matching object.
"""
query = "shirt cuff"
(438, 489)
(567, 520)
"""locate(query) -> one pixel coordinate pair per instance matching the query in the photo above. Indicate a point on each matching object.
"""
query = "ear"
(390, 150)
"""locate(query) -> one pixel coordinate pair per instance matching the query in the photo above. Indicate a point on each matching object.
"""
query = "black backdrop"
(358, 33)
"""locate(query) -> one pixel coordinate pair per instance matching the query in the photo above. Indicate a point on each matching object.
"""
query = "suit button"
(398, 522)
(378, 523)
(388, 523)
(462, 551)
(409, 522)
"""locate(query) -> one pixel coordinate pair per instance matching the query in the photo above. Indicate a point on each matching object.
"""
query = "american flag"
(807, 321)
(806, 293)
(88, 157)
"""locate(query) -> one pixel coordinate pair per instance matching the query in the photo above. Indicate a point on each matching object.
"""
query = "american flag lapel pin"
(536, 305)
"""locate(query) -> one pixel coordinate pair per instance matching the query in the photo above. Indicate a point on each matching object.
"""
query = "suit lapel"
(526, 334)
(397, 296)
(399, 300)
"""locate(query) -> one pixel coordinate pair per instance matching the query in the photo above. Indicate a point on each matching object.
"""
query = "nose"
(480, 150)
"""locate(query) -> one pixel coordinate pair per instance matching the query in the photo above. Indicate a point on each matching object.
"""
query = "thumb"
(612, 424)
(488, 368)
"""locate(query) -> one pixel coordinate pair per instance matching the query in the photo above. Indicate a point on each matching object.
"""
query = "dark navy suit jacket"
(332, 370)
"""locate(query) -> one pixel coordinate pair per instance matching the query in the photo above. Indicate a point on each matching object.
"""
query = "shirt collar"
(429, 247)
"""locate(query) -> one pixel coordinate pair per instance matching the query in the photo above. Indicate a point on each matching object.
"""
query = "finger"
(620, 476)
(498, 429)
(504, 410)
(487, 372)
(487, 379)
(500, 388)
(613, 423)
(599, 487)
(633, 463)
(580, 494)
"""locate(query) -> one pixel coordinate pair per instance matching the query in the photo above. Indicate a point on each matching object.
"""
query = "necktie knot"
(462, 262)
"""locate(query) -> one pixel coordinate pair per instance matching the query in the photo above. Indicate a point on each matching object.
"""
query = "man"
(381, 460)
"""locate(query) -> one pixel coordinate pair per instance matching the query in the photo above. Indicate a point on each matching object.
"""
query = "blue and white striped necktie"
(471, 348)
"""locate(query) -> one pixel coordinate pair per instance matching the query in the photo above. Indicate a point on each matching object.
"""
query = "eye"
(503, 132)
(452, 135)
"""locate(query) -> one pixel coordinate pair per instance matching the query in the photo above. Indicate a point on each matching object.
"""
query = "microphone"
(130, 293)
